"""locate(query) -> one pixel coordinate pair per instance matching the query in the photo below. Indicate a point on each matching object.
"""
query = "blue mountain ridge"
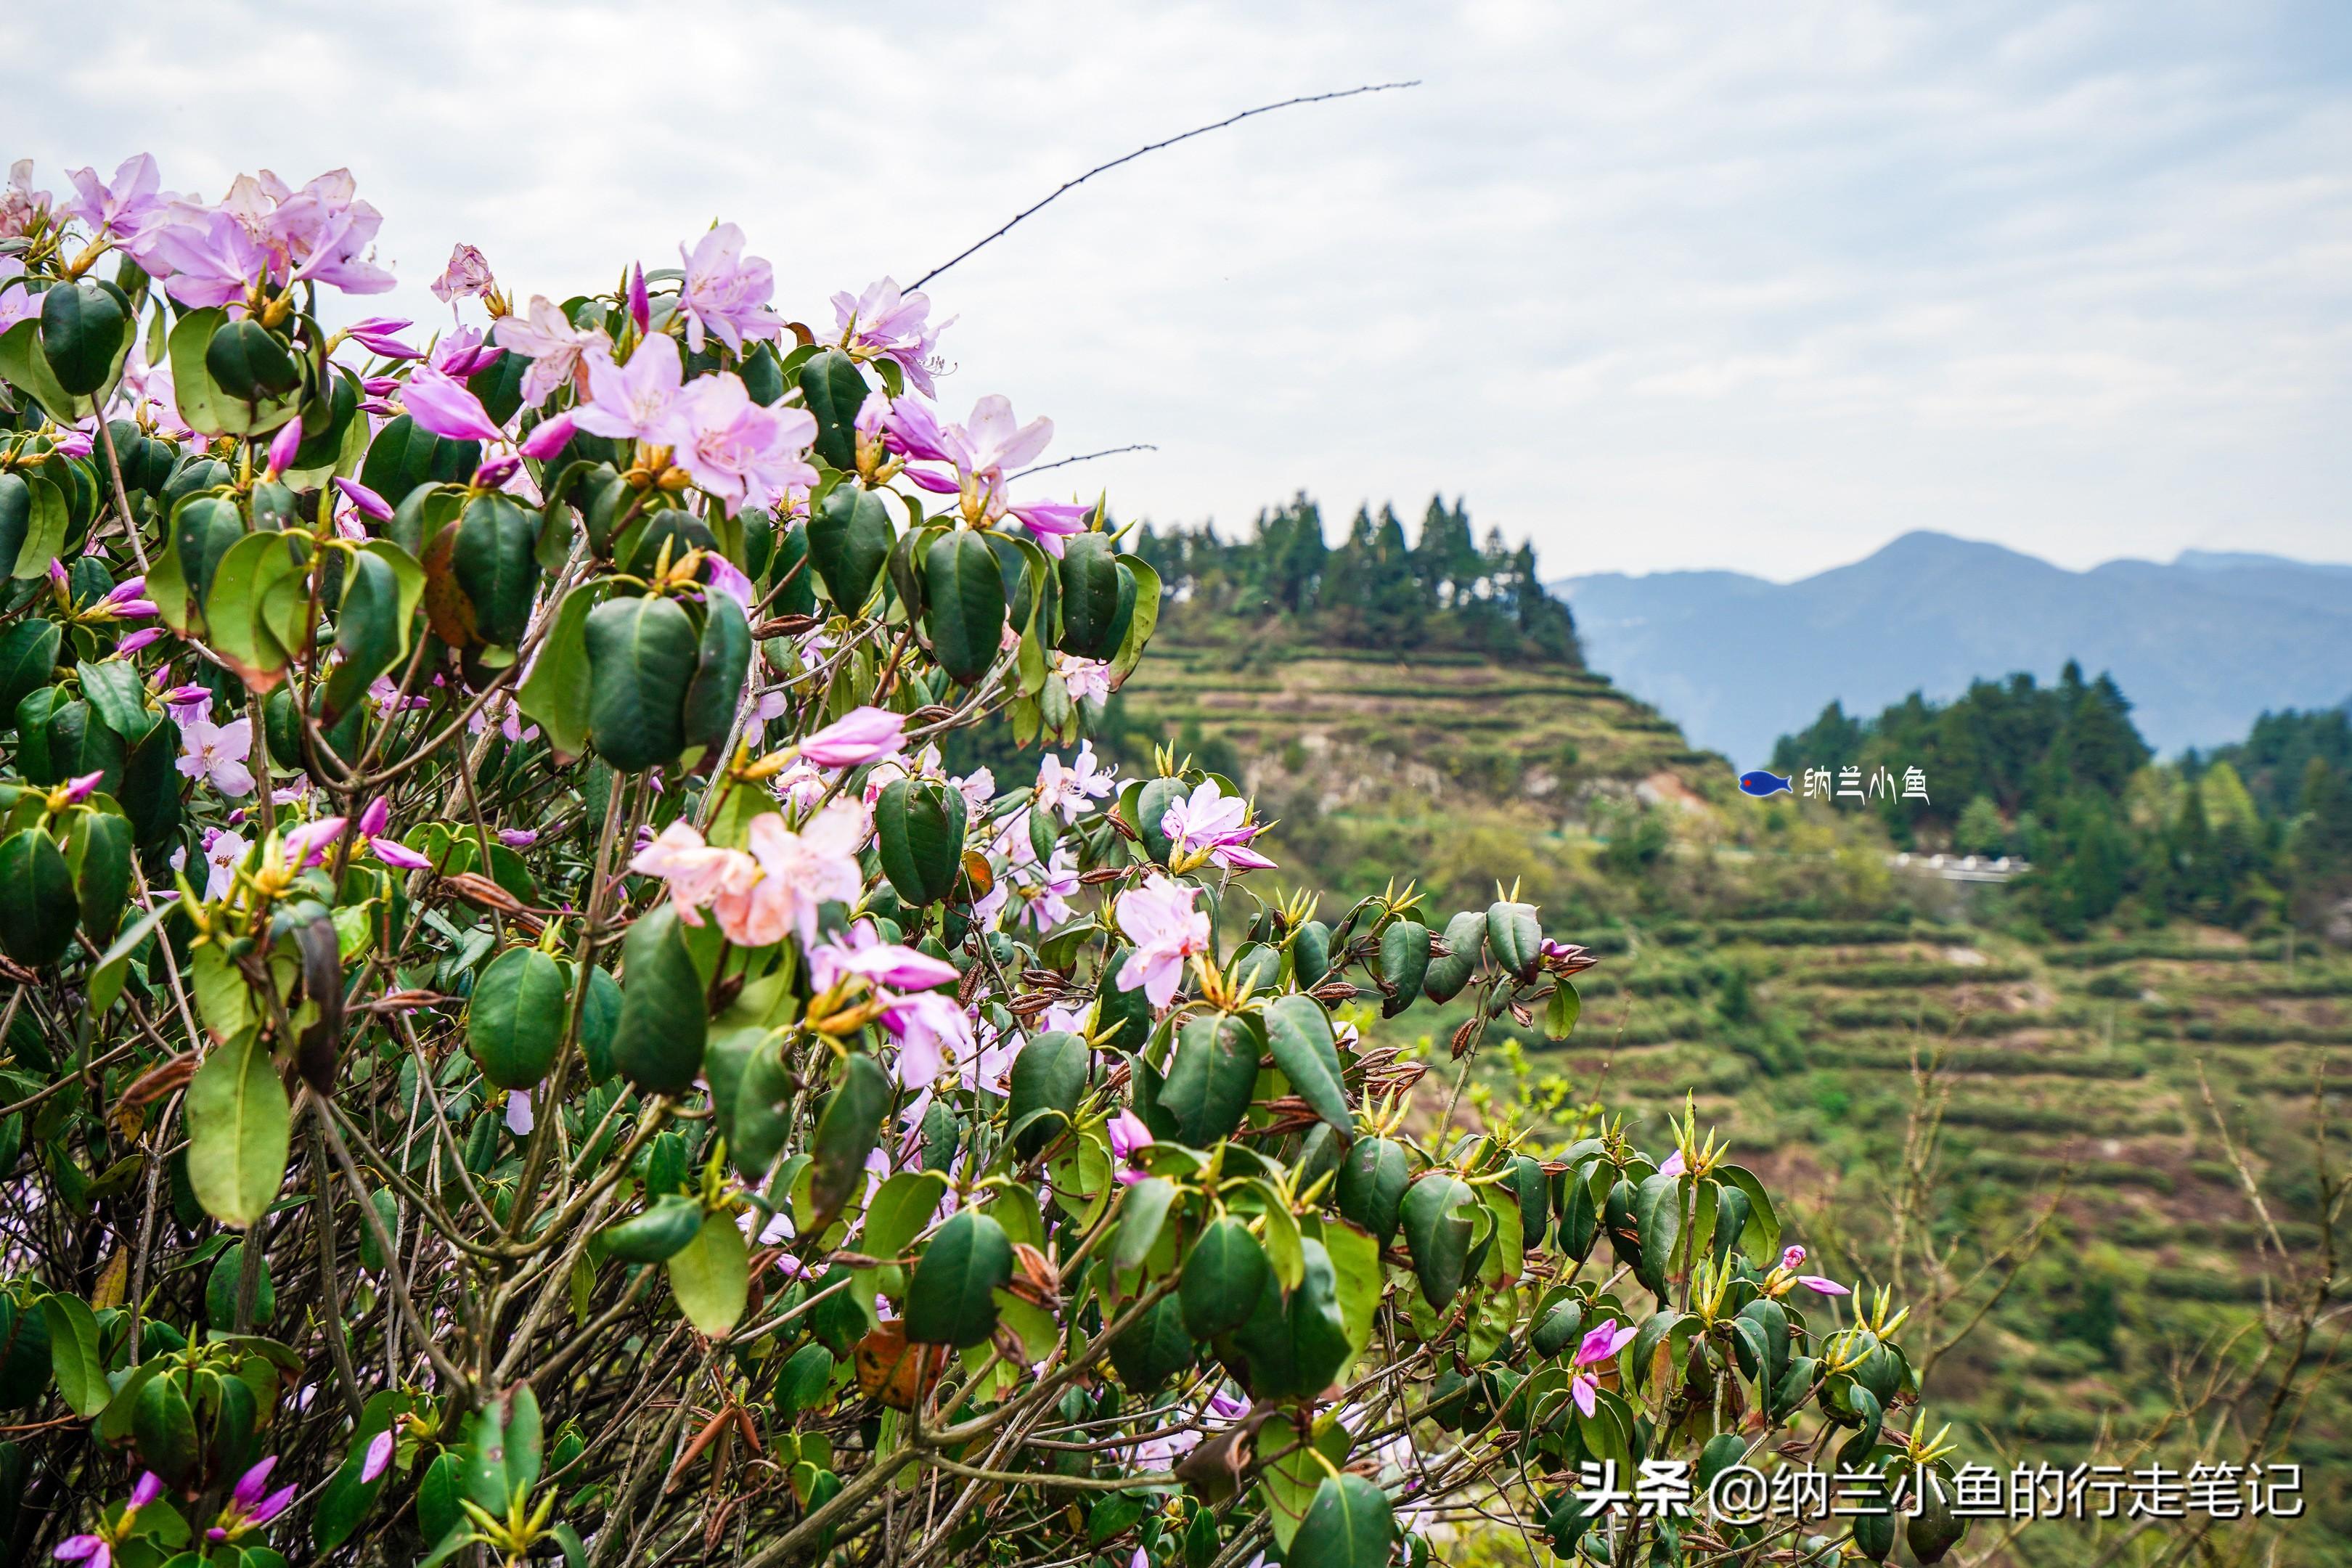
(2200, 645)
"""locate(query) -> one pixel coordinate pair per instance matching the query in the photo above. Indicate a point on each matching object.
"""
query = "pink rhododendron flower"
(138, 639)
(799, 872)
(379, 1457)
(549, 436)
(377, 335)
(1600, 1345)
(1083, 677)
(1043, 894)
(1212, 824)
(736, 450)
(1792, 1257)
(306, 846)
(1128, 1136)
(860, 736)
(557, 350)
(365, 500)
(21, 206)
(1819, 1286)
(862, 951)
(1160, 920)
(217, 753)
(393, 852)
(120, 205)
(727, 292)
(697, 872)
(224, 853)
(284, 445)
(1673, 1166)
(929, 1025)
(441, 403)
(883, 323)
(467, 276)
(633, 402)
(1071, 788)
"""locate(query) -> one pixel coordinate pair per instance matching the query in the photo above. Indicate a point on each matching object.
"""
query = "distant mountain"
(2200, 646)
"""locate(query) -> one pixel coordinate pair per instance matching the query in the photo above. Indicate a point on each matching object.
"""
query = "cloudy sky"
(1659, 285)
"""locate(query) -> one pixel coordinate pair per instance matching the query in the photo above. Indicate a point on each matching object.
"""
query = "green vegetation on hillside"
(2057, 776)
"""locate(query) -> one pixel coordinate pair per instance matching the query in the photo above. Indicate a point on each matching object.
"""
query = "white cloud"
(1713, 284)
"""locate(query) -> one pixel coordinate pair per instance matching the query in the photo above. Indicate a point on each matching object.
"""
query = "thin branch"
(1154, 147)
(1086, 458)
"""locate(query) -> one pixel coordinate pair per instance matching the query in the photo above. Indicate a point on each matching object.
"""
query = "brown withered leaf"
(159, 1080)
(894, 1372)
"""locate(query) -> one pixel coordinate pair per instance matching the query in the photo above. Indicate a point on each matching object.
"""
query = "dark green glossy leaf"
(963, 593)
(641, 655)
(37, 898)
(1349, 1525)
(918, 827)
(1211, 1077)
(1437, 1224)
(1373, 1175)
(1299, 1032)
(516, 1019)
(1224, 1274)
(833, 390)
(722, 659)
(849, 540)
(950, 1300)
(845, 1134)
(658, 1041)
(1048, 1079)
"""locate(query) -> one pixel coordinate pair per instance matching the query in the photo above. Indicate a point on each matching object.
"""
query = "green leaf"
(849, 538)
(963, 593)
(1514, 938)
(239, 1130)
(833, 390)
(659, 1043)
(1154, 1348)
(1299, 1032)
(118, 694)
(712, 1276)
(845, 1134)
(1404, 964)
(481, 575)
(721, 660)
(1144, 620)
(37, 898)
(516, 1019)
(1349, 1525)
(641, 655)
(668, 1223)
(99, 852)
(951, 1298)
(1291, 1483)
(235, 606)
(1437, 1224)
(74, 1356)
(113, 966)
(382, 587)
(1560, 1015)
(85, 333)
(207, 405)
(557, 695)
(1358, 1281)
(1373, 1175)
(1142, 1212)
(1658, 1215)
(1465, 944)
(29, 651)
(44, 531)
(1211, 1077)
(404, 458)
(1048, 1079)
(1093, 592)
(1225, 1273)
(900, 1208)
(26, 368)
(1760, 1237)
(919, 830)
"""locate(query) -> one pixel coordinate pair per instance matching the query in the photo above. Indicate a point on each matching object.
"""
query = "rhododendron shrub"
(515, 1049)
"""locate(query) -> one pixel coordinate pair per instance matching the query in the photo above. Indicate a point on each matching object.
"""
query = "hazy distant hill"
(2200, 645)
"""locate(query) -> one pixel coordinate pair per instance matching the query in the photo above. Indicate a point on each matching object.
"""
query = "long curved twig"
(1154, 147)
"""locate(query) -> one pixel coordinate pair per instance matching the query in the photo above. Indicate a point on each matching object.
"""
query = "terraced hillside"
(2083, 1068)
(1442, 721)
(2019, 1129)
